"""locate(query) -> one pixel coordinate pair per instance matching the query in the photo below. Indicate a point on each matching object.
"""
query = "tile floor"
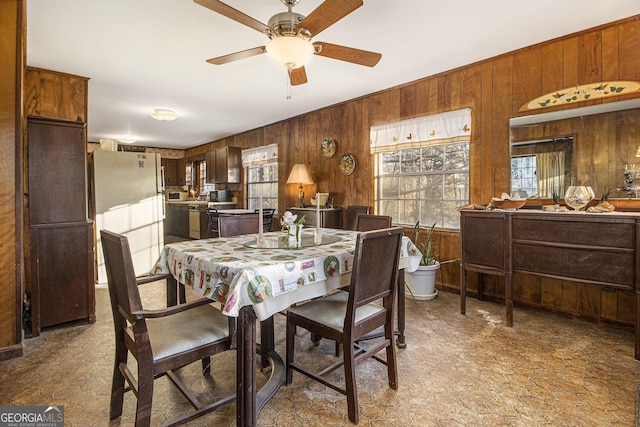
(548, 370)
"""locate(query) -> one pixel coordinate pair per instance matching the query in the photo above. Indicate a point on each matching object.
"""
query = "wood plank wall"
(494, 89)
(11, 60)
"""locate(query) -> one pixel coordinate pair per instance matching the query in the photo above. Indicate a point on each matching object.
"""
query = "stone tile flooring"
(548, 370)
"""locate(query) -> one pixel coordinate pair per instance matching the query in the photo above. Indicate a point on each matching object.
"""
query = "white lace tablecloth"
(228, 271)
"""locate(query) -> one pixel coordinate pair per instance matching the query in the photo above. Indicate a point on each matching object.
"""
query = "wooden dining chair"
(212, 216)
(267, 218)
(347, 316)
(235, 225)
(161, 340)
(365, 222)
(352, 214)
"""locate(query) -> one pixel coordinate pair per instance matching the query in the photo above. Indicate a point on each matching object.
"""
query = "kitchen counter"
(177, 220)
(201, 203)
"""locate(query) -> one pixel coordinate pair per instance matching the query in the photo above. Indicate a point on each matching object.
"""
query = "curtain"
(254, 156)
(452, 126)
(550, 174)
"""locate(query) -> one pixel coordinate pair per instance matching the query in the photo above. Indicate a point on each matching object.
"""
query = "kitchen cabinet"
(329, 217)
(224, 165)
(61, 254)
(56, 95)
(174, 172)
(176, 222)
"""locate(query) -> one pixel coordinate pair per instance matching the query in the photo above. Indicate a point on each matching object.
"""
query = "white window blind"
(452, 126)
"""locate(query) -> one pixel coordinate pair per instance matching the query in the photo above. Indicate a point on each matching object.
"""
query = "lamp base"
(300, 197)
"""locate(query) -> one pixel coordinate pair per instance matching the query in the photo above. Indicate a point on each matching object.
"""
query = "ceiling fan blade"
(236, 56)
(348, 54)
(297, 76)
(327, 14)
(236, 15)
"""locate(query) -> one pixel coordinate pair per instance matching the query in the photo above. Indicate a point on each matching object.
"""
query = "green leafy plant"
(427, 257)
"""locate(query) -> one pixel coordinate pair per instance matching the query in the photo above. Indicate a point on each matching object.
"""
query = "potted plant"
(422, 282)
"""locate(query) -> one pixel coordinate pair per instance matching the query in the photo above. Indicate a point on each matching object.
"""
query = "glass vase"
(578, 196)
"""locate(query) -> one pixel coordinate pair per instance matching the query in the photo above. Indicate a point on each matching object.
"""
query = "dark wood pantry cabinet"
(61, 257)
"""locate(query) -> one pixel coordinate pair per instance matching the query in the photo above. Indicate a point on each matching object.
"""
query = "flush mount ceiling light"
(164, 115)
(126, 140)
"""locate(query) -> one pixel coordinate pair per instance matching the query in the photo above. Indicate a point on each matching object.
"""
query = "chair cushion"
(185, 331)
(331, 310)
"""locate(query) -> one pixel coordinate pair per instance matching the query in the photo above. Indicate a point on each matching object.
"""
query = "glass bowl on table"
(578, 196)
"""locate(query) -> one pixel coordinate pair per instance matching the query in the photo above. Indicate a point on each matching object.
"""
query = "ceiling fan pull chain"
(288, 84)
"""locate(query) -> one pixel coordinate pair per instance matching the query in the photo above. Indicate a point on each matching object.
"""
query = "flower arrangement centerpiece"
(291, 228)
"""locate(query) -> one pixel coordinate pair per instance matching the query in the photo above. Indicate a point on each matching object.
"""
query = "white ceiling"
(146, 54)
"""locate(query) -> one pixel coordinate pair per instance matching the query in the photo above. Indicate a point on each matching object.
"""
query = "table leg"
(246, 415)
(267, 341)
(400, 341)
(172, 291)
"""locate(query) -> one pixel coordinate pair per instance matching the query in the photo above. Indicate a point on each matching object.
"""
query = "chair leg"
(291, 335)
(117, 383)
(206, 365)
(145, 394)
(392, 364)
(350, 382)
(183, 293)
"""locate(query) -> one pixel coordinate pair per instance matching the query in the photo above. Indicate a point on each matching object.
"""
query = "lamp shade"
(289, 51)
(299, 175)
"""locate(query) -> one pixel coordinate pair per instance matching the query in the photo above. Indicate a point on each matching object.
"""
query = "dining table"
(255, 276)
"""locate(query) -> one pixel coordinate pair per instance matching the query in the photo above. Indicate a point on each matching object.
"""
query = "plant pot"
(422, 282)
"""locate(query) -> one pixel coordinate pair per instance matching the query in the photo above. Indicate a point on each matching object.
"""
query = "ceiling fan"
(290, 36)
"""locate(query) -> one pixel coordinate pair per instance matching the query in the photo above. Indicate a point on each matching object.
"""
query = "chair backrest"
(235, 225)
(372, 222)
(267, 218)
(212, 214)
(121, 276)
(352, 213)
(375, 269)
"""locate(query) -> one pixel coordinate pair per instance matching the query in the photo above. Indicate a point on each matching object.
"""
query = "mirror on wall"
(584, 146)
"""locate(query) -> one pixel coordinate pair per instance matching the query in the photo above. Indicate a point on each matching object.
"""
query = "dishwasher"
(194, 221)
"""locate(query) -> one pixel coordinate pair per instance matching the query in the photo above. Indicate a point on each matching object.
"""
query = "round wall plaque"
(347, 164)
(328, 148)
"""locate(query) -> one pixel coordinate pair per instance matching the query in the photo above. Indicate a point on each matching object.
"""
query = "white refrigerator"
(127, 199)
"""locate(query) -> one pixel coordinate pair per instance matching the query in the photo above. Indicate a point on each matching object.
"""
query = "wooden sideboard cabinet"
(329, 217)
(595, 249)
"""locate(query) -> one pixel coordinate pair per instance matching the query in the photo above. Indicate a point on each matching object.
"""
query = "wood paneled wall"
(11, 270)
(494, 89)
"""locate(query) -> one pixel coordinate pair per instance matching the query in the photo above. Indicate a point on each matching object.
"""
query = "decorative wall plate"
(328, 148)
(347, 164)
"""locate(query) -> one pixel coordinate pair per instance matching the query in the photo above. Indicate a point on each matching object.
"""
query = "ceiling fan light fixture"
(164, 115)
(290, 51)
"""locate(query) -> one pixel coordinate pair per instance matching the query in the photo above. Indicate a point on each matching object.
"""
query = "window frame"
(420, 202)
